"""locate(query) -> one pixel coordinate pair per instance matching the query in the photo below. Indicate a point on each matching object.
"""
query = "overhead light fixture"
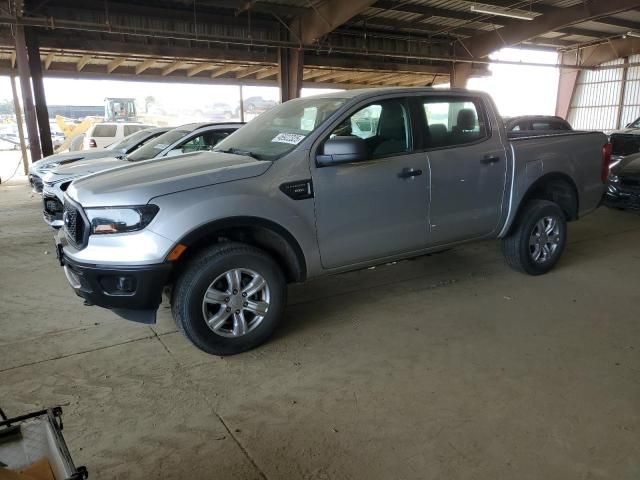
(502, 12)
(633, 34)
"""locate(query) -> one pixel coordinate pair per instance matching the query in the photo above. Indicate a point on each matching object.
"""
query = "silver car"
(189, 138)
(127, 145)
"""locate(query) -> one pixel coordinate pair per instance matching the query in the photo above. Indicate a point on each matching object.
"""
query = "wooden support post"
(18, 111)
(290, 63)
(22, 62)
(42, 113)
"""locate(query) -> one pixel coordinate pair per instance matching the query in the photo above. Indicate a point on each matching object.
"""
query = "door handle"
(409, 173)
(488, 159)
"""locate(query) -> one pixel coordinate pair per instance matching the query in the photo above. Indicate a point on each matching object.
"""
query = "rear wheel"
(538, 239)
(229, 299)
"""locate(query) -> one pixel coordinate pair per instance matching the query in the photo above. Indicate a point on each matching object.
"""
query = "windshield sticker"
(161, 146)
(292, 138)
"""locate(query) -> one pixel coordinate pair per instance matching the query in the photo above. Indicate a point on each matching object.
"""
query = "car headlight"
(613, 178)
(120, 220)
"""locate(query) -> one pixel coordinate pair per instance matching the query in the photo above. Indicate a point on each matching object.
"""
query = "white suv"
(102, 135)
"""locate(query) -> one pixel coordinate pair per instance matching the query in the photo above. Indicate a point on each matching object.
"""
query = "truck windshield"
(157, 145)
(277, 131)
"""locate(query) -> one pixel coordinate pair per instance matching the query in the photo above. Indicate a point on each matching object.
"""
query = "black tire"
(516, 248)
(189, 290)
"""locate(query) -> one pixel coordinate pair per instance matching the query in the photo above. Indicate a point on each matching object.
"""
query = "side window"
(205, 141)
(104, 131)
(384, 126)
(453, 121)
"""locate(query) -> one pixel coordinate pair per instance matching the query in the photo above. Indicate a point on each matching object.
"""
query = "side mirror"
(339, 150)
(174, 152)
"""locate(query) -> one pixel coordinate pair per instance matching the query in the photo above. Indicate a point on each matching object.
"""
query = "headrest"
(467, 119)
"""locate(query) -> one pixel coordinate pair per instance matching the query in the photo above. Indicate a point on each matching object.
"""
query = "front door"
(468, 168)
(378, 206)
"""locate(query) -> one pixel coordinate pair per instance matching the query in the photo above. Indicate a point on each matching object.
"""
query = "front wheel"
(229, 298)
(536, 243)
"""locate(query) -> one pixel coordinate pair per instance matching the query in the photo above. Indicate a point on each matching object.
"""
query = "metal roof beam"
(515, 32)
(83, 62)
(200, 68)
(225, 69)
(172, 68)
(250, 71)
(141, 67)
(49, 59)
(115, 63)
(326, 17)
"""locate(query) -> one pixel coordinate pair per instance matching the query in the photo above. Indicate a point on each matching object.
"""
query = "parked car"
(257, 104)
(127, 145)
(626, 141)
(10, 140)
(216, 111)
(189, 138)
(276, 203)
(623, 190)
(101, 135)
(536, 122)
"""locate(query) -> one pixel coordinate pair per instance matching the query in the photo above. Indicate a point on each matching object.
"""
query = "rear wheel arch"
(555, 187)
(261, 233)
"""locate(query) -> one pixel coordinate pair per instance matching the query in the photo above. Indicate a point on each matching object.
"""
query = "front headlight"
(613, 178)
(120, 219)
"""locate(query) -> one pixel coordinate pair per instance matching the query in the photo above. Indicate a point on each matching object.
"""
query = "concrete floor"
(450, 366)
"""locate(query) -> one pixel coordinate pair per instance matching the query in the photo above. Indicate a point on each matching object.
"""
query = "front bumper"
(131, 292)
(628, 199)
(36, 183)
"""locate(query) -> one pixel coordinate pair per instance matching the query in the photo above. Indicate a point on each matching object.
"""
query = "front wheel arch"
(267, 235)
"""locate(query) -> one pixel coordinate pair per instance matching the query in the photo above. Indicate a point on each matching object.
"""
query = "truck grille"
(74, 224)
(623, 144)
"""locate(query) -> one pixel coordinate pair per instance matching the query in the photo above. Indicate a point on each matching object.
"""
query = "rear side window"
(453, 121)
(104, 131)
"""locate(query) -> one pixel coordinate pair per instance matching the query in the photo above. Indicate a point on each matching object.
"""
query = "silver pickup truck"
(318, 186)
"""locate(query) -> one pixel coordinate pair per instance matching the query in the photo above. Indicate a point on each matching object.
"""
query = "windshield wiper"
(238, 151)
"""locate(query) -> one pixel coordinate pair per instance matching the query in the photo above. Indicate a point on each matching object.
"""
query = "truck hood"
(59, 159)
(628, 166)
(81, 168)
(626, 131)
(138, 183)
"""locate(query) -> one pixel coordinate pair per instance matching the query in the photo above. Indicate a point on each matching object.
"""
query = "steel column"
(290, 64)
(18, 112)
(42, 114)
(623, 90)
(27, 96)
(566, 84)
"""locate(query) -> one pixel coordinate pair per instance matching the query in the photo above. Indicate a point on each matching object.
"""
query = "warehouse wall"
(606, 99)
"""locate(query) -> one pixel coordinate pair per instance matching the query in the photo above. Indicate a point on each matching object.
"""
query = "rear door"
(375, 207)
(468, 167)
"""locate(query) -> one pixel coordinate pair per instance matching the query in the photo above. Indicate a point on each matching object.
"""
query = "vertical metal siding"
(595, 102)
